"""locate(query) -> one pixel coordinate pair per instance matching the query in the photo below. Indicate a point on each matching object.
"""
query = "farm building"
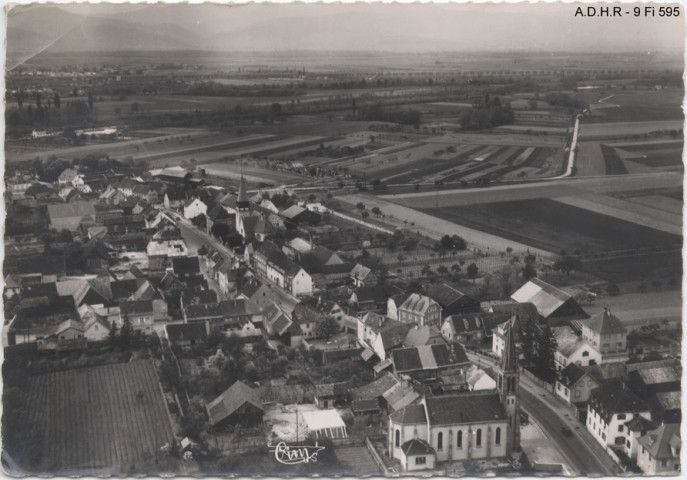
(551, 302)
(361, 276)
(71, 216)
(325, 424)
(452, 301)
(238, 405)
(186, 334)
(429, 361)
(608, 335)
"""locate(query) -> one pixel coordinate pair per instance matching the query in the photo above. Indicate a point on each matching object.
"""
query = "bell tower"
(508, 386)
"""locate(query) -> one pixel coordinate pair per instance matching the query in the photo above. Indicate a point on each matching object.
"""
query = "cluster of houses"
(139, 270)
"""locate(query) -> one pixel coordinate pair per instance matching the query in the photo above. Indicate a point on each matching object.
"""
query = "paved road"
(581, 451)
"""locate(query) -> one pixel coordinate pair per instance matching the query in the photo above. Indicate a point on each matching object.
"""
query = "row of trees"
(487, 114)
(539, 347)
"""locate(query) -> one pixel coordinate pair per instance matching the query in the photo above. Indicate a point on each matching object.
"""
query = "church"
(463, 426)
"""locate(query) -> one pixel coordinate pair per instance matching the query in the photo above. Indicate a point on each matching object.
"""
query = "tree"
(112, 337)
(455, 268)
(326, 328)
(203, 250)
(126, 334)
(472, 271)
(376, 211)
(442, 270)
(57, 101)
(360, 206)
(365, 214)
(528, 271)
(567, 263)
(90, 101)
(546, 351)
(530, 334)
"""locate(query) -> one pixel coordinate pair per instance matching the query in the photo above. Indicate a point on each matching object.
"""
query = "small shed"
(329, 394)
(239, 404)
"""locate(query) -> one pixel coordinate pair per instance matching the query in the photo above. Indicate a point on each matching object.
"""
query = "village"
(261, 335)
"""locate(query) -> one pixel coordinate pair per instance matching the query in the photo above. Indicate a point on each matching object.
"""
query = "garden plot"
(625, 129)
(110, 417)
(659, 202)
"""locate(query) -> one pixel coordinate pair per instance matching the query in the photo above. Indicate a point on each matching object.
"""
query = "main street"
(582, 452)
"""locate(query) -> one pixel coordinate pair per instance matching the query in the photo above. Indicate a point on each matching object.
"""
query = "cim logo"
(296, 454)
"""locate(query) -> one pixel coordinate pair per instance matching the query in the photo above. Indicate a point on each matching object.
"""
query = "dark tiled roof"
(203, 310)
(571, 374)
(185, 265)
(123, 288)
(428, 357)
(367, 405)
(186, 331)
(194, 297)
(640, 424)
(465, 408)
(377, 388)
(416, 447)
(135, 307)
(614, 397)
(605, 323)
(412, 414)
(46, 265)
(230, 401)
(332, 389)
(445, 295)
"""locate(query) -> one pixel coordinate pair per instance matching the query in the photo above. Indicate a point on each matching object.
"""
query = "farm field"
(644, 105)
(661, 265)
(260, 145)
(641, 214)
(625, 130)
(253, 174)
(659, 181)
(110, 419)
(636, 309)
(552, 226)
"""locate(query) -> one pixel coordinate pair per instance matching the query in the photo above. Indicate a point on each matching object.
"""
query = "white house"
(574, 385)
(194, 207)
(610, 406)
(572, 349)
(659, 451)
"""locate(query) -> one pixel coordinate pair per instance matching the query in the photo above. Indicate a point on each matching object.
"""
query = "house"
(470, 327)
(307, 318)
(378, 335)
(12, 287)
(572, 349)
(659, 450)
(610, 406)
(607, 334)
(174, 175)
(467, 426)
(421, 310)
(634, 429)
(361, 276)
(327, 395)
(271, 263)
(194, 207)
(226, 277)
(167, 242)
(372, 298)
(666, 406)
(186, 334)
(423, 335)
(551, 302)
(217, 214)
(276, 320)
(429, 361)
(96, 329)
(295, 215)
(122, 289)
(650, 381)
(72, 216)
(498, 338)
(479, 380)
(67, 177)
(139, 313)
(574, 385)
(238, 405)
(174, 199)
(185, 266)
(452, 301)
(41, 269)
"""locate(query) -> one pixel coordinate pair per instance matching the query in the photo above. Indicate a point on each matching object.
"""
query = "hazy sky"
(460, 26)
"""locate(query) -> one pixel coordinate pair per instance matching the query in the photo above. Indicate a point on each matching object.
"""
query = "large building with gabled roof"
(551, 302)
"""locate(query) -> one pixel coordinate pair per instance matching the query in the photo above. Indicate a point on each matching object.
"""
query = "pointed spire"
(243, 196)
(509, 358)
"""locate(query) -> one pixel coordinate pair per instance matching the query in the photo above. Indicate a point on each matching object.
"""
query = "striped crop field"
(111, 419)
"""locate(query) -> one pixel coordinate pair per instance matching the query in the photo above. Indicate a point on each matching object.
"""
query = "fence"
(543, 384)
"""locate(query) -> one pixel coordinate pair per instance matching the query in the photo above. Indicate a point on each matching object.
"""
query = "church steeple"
(508, 386)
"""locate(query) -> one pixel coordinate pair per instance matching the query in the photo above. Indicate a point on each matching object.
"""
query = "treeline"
(559, 99)
(487, 114)
(379, 114)
(216, 89)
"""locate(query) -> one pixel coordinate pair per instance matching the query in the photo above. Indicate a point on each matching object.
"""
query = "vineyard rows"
(108, 417)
